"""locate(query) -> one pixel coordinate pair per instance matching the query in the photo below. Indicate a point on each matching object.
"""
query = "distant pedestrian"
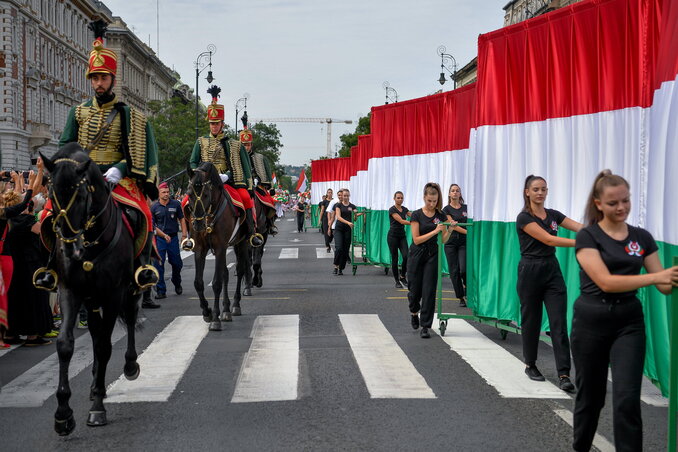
(540, 281)
(455, 248)
(397, 241)
(168, 222)
(325, 209)
(422, 268)
(344, 212)
(300, 209)
(608, 327)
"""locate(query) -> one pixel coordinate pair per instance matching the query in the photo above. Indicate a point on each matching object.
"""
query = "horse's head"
(75, 186)
(204, 194)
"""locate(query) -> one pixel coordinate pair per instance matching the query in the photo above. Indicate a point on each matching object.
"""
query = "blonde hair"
(11, 198)
(603, 180)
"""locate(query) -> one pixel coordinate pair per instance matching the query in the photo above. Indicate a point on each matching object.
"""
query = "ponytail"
(434, 189)
(604, 179)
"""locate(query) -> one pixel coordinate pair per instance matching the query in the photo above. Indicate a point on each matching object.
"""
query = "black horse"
(264, 226)
(94, 254)
(214, 226)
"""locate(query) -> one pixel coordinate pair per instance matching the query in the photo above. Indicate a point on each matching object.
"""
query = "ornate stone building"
(44, 49)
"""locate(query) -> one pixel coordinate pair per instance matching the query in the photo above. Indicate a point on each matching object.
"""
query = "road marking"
(33, 387)
(270, 370)
(4, 351)
(321, 253)
(210, 256)
(289, 253)
(495, 365)
(600, 442)
(387, 371)
(290, 219)
(163, 363)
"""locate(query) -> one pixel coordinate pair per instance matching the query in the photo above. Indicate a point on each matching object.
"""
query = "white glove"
(256, 181)
(113, 175)
(224, 178)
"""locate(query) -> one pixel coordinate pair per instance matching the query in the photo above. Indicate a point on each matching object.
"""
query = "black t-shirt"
(622, 257)
(529, 246)
(346, 213)
(427, 224)
(302, 207)
(326, 204)
(460, 216)
(397, 229)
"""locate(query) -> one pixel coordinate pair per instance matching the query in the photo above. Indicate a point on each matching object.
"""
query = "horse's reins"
(207, 212)
(62, 216)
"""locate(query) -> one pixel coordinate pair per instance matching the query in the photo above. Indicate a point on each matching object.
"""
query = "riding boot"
(146, 275)
(45, 278)
(256, 239)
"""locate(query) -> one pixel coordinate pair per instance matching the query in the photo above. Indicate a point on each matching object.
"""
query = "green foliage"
(174, 126)
(348, 140)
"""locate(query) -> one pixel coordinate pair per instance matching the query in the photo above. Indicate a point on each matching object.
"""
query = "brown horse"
(214, 226)
(264, 227)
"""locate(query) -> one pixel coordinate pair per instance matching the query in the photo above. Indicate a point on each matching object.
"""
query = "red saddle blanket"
(232, 194)
(265, 198)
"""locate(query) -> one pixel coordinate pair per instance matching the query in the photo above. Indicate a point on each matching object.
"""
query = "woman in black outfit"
(422, 271)
(325, 207)
(455, 248)
(343, 212)
(300, 208)
(608, 327)
(396, 238)
(540, 281)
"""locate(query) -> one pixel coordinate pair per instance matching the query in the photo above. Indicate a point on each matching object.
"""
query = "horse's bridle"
(207, 212)
(62, 215)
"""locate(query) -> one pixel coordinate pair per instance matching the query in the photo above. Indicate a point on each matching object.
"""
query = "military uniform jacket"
(129, 130)
(261, 169)
(227, 156)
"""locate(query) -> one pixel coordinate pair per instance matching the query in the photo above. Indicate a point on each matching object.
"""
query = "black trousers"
(323, 228)
(300, 222)
(396, 244)
(455, 251)
(540, 283)
(422, 278)
(342, 245)
(606, 333)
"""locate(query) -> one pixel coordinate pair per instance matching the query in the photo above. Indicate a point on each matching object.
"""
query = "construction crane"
(327, 121)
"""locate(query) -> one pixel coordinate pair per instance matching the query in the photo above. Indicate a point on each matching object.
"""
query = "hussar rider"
(231, 161)
(261, 174)
(120, 141)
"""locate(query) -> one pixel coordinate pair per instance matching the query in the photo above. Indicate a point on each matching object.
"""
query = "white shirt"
(330, 209)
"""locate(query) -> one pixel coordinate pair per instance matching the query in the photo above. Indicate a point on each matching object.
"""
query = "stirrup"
(41, 275)
(187, 244)
(147, 285)
(256, 236)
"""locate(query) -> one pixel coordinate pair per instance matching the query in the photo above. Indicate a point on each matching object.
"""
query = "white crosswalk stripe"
(36, 385)
(270, 371)
(289, 253)
(321, 253)
(162, 364)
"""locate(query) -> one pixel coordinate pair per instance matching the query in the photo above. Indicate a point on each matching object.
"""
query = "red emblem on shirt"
(436, 220)
(634, 249)
(554, 226)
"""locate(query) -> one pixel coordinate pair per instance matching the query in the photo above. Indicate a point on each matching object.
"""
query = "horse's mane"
(211, 171)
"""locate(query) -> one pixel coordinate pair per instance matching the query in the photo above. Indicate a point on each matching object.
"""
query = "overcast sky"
(304, 58)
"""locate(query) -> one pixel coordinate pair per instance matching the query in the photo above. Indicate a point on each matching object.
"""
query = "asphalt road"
(316, 362)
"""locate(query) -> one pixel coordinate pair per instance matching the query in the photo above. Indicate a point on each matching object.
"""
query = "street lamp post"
(240, 104)
(391, 93)
(202, 62)
(445, 60)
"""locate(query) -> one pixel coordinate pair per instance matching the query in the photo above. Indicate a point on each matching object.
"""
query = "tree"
(173, 123)
(348, 140)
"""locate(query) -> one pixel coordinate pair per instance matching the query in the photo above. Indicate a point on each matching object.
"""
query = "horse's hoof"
(259, 283)
(132, 370)
(207, 315)
(215, 325)
(64, 427)
(226, 316)
(247, 292)
(96, 418)
(236, 311)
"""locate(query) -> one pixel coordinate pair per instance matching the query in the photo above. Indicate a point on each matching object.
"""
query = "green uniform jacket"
(238, 167)
(140, 142)
(261, 169)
